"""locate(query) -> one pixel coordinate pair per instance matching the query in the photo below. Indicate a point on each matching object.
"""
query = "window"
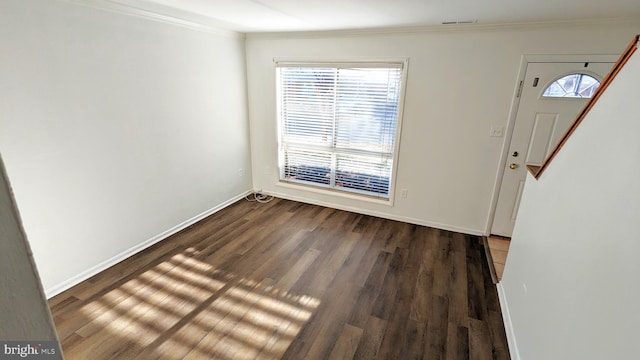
(339, 124)
(573, 85)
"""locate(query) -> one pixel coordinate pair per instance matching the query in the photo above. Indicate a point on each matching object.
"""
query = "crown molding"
(156, 12)
(448, 28)
(161, 14)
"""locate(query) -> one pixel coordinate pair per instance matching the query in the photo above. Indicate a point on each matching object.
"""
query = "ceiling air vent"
(461, 22)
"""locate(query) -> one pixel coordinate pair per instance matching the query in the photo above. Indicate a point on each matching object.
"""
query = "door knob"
(513, 166)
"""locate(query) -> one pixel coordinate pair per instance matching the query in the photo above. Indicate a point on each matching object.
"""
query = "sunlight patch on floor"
(233, 318)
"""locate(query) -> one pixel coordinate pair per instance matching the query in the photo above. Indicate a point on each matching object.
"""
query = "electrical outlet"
(241, 172)
(404, 193)
(496, 131)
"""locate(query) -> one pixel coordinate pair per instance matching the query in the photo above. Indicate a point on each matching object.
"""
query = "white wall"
(115, 129)
(460, 84)
(575, 245)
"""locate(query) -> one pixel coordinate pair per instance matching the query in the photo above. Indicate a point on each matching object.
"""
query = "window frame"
(587, 73)
(402, 64)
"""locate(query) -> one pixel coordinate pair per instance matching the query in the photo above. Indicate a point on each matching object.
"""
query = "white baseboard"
(57, 289)
(508, 327)
(378, 214)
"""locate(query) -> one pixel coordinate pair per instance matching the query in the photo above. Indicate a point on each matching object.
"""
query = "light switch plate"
(496, 132)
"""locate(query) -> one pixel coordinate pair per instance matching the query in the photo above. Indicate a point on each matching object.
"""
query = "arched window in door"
(572, 86)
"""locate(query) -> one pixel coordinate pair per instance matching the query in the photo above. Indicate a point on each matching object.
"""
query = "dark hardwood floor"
(287, 280)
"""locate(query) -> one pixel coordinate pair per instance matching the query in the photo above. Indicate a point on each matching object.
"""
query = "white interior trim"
(339, 193)
(194, 21)
(508, 327)
(570, 58)
(383, 215)
(57, 289)
(447, 28)
(513, 112)
(168, 16)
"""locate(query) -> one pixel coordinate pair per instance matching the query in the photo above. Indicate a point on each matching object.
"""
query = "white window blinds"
(338, 125)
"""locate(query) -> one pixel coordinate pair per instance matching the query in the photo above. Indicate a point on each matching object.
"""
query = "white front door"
(540, 123)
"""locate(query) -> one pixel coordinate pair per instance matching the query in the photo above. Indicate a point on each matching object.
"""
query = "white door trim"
(513, 112)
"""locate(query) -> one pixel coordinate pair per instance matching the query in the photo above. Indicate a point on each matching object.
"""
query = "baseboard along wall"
(508, 327)
(57, 289)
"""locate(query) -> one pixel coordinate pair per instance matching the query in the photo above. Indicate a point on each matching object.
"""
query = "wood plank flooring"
(286, 280)
(499, 248)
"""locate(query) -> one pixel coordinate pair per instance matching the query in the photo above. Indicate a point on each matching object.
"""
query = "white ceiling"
(312, 15)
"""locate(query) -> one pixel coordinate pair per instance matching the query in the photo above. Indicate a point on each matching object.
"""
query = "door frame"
(513, 112)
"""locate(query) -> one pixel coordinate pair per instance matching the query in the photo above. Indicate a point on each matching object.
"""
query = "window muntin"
(572, 86)
(338, 125)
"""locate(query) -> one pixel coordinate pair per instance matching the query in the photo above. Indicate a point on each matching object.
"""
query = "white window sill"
(337, 193)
